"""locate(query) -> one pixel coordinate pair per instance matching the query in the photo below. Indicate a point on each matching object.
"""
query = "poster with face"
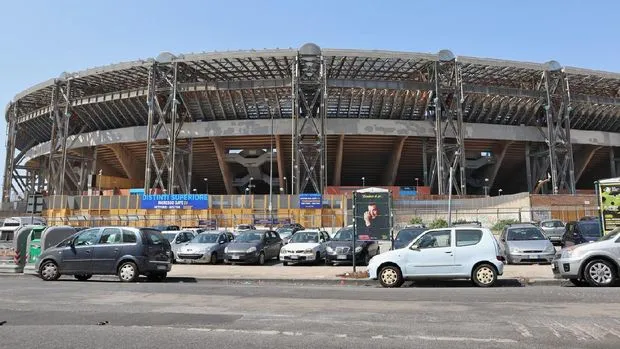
(610, 205)
(372, 215)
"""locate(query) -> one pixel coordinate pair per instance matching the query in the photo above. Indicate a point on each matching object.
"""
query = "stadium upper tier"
(247, 85)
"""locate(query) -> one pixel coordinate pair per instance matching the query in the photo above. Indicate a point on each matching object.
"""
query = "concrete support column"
(338, 166)
(223, 164)
(392, 169)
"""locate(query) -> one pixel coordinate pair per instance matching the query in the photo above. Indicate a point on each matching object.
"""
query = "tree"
(438, 223)
(416, 220)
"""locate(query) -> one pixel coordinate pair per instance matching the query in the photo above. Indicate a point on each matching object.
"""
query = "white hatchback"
(447, 253)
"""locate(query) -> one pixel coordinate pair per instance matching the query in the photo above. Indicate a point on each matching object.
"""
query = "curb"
(516, 281)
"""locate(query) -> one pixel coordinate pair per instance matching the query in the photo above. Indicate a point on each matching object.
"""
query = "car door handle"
(116, 249)
(448, 252)
(87, 251)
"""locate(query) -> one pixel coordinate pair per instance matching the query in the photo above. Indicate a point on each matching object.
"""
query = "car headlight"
(329, 249)
(358, 249)
(571, 252)
(251, 249)
(225, 249)
(283, 250)
(550, 248)
(515, 250)
(308, 250)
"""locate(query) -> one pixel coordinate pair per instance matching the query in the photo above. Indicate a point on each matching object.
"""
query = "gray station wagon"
(123, 251)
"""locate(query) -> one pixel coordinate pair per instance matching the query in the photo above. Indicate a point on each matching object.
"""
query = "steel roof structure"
(356, 84)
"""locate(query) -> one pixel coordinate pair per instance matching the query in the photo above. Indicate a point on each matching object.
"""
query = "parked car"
(253, 246)
(287, 232)
(243, 227)
(581, 232)
(340, 248)
(206, 247)
(178, 238)
(293, 225)
(588, 218)
(406, 235)
(553, 229)
(123, 251)
(305, 246)
(164, 227)
(595, 264)
(448, 253)
(525, 243)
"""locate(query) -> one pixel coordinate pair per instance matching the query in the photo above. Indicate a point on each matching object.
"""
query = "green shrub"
(416, 220)
(499, 226)
(438, 223)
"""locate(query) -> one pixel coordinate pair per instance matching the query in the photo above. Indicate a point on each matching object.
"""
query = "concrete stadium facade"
(329, 117)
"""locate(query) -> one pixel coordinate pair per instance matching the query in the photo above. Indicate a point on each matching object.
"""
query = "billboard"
(310, 201)
(609, 203)
(372, 215)
(175, 202)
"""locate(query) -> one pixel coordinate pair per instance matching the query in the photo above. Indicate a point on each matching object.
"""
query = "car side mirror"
(178, 240)
(503, 240)
(222, 242)
(415, 248)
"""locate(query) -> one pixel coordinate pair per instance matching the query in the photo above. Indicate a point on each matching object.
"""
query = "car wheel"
(285, 263)
(128, 272)
(391, 277)
(317, 258)
(49, 271)
(157, 277)
(82, 277)
(213, 259)
(172, 258)
(599, 273)
(366, 259)
(484, 275)
(579, 283)
(261, 258)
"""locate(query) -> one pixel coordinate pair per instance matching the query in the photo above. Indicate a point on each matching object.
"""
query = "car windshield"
(408, 234)
(345, 234)
(612, 235)
(590, 230)
(248, 237)
(522, 234)
(169, 236)
(552, 224)
(205, 238)
(302, 236)
(286, 233)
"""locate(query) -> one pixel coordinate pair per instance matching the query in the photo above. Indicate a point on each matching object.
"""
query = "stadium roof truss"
(357, 84)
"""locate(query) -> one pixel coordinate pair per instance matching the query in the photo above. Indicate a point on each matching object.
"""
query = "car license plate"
(342, 256)
(294, 257)
(161, 267)
(533, 256)
(234, 257)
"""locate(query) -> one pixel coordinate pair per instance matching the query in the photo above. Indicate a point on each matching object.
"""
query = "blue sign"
(408, 191)
(175, 202)
(139, 191)
(310, 201)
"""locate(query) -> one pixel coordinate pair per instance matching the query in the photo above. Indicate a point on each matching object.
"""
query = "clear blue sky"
(41, 39)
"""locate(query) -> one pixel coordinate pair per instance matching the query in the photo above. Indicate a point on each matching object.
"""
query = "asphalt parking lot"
(72, 314)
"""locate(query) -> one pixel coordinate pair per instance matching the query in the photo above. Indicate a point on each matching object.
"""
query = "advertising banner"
(310, 201)
(372, 215)
(175, 202)
(609, 202)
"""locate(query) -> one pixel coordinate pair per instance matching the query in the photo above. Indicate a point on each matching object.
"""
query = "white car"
(448, 253)
(305, 246)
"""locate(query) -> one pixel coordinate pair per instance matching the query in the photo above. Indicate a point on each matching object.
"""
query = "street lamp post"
(499, 192)
(194, 191)
(364, 182)
(285, 185)
(250, 186)
(271, 176)
(417, 184)
(247, 191)
(486, 187)
(206, 185)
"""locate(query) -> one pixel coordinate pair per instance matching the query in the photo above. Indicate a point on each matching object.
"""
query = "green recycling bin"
(34, 244)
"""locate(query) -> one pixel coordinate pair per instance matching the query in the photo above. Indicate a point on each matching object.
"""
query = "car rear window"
(153, 237)
(468, 237)
(129, 237)
(590, 229)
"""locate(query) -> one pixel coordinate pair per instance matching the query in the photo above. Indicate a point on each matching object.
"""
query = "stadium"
(311, 120)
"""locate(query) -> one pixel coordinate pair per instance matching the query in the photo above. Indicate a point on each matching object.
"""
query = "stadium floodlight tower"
(555, 158)
(308, 121)
(168, 161)
(447, 108)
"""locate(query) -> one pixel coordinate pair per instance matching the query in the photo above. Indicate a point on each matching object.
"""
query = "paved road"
(184, 313)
